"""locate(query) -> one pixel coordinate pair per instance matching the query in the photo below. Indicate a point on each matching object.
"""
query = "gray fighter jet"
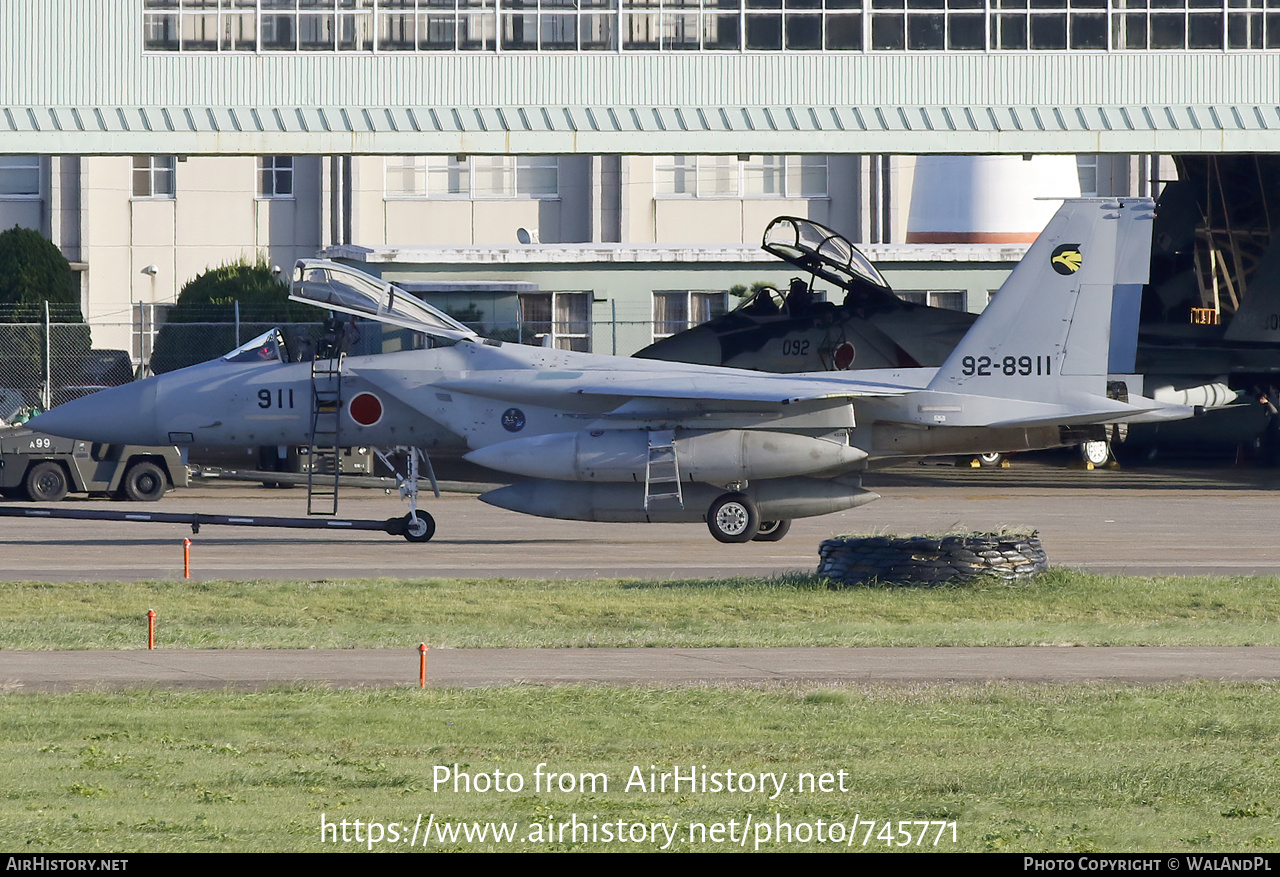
(1211, 366)
(771, 331)
(613, 439)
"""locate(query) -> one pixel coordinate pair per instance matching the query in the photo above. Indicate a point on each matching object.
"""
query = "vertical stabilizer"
(1049, 331)
(1258, 317)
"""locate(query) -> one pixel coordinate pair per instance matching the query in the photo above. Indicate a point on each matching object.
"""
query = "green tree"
(33, 271)
(201, 325)
(740, 291)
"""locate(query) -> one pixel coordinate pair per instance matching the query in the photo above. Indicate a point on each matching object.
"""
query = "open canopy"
(340, 288)
(821, 251)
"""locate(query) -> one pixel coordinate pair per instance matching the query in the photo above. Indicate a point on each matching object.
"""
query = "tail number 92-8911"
(1009, 365)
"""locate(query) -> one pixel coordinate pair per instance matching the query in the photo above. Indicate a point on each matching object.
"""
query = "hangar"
(600, 170)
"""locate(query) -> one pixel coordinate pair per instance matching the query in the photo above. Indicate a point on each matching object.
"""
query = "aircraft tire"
(1098, 453)
(46, 482)
(144, 482)
(733, 518)
(419, 527)
(991, 460)
(772, 531)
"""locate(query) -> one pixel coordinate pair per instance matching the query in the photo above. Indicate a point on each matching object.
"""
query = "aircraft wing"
(713, 385)
(1094, 409)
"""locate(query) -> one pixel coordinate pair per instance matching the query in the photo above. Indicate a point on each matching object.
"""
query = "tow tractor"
(45, 468)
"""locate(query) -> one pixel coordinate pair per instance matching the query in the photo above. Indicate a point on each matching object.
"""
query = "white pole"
(47, 393)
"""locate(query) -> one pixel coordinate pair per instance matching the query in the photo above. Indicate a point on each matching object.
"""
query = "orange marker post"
(151, 628)
(422, 665)
(186, 558)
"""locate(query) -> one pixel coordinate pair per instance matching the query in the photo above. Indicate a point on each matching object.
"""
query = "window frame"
(270, 168)
(514, 171)
(561, 322)
(19, 164)
(934, 298)
(394, 27)
(157, 166)
(790, 168)
(688, 299)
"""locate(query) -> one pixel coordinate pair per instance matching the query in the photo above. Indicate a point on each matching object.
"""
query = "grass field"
(1034, 768)
(1014, 768)
(1059, 608)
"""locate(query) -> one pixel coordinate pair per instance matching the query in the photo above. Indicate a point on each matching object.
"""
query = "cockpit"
(267, 347)
(826, 254)
(343, 289)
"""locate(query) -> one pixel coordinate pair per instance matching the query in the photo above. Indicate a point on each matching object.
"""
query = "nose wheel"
(733, 518)
(419, 526)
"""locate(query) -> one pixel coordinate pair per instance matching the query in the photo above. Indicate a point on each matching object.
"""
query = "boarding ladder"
(324, 454)
(662, 470)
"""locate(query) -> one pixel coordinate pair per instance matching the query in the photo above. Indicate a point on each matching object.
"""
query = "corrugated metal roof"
(632, 119)
(915, 129)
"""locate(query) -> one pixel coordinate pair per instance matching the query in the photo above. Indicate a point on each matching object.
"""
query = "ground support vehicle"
(45, 468)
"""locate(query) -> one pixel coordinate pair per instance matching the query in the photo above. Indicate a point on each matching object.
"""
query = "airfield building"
(597, 171)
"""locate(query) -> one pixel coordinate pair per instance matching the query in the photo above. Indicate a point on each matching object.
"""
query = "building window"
(19, 177)
(405, 176)
(153, 176)
(147, 320)
(519, 176)
(677, 310)
(275, 176)
(556, 319)
(949, 299)
(479, 177)
(724, 176)
(1087, 170)
(706, 25)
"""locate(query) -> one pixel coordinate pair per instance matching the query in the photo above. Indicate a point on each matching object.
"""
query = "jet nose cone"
(120, 415)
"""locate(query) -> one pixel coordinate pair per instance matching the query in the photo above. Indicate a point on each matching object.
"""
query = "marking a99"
(1009, 366)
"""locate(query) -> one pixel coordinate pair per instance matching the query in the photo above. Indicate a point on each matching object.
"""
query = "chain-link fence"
(43, 348)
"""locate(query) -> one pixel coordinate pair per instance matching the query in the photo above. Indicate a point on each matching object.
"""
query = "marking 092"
(1009, 366)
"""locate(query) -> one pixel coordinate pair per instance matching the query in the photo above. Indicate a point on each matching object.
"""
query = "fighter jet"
(1211, 366)
(605, 438)
(869, 327)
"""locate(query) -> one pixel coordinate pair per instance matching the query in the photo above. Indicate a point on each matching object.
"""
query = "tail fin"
(1258, 317)
(1068, 314)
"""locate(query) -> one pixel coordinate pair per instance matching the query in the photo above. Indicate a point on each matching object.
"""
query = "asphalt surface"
(1187, 521)
(217, 669)
(1148, 522)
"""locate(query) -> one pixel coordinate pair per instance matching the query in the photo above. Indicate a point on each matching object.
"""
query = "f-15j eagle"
(606, 438)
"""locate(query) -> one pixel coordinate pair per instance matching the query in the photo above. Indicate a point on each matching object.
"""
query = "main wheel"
(419, 527)
(733, 518)
(144, 482)
(772, 531)
(991, 460)
(46, 482)
(1097, 453)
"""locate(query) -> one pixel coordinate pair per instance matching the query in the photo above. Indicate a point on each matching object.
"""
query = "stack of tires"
(924, 561)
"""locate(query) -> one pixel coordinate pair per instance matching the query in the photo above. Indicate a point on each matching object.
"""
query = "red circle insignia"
(365, 409)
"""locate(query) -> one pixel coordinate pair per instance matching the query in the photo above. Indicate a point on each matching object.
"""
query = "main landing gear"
(734, 518)
(417, 525)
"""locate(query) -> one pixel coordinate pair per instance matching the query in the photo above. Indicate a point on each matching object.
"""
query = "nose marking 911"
(282, 398)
